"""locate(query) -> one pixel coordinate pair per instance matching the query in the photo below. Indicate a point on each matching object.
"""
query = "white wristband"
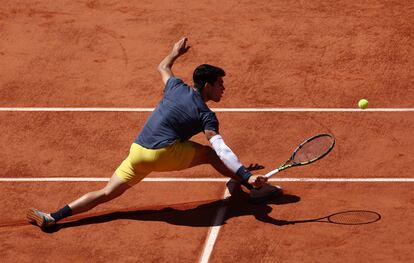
(225, 154)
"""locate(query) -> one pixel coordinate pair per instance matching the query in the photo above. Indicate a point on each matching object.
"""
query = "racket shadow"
(349, 217)
(239, 206)
(194, 214)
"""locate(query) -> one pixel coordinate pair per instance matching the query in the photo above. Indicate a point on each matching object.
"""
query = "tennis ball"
(363, 103)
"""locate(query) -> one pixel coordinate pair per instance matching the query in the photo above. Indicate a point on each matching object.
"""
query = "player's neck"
(203, 95)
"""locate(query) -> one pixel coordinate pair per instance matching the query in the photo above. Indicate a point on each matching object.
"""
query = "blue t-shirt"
(181, 114)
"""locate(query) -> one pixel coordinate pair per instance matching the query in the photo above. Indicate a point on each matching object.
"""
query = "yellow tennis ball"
(363, 103)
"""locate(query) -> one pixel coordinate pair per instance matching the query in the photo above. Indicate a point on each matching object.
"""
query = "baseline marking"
(162, 179)
(47, 109)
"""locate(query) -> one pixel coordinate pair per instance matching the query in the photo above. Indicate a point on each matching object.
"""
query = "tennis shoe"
(39, 218)
(266, 192)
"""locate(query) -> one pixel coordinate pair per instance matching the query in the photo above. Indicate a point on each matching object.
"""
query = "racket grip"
(271, 173)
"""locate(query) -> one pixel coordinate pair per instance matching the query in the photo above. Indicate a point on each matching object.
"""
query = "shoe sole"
(35, 218)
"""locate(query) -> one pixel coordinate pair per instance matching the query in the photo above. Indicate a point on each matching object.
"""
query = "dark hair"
(206, 74)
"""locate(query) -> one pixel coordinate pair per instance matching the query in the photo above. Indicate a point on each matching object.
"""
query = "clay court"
(78, 79)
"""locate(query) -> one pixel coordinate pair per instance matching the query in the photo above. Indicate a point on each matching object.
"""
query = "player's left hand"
(180, 47)
(254, 167)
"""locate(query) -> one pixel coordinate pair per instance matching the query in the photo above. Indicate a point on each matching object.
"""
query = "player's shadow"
(193, 214)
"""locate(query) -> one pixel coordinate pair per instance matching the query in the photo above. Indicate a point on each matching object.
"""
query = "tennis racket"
(354, 217)
(309, 151)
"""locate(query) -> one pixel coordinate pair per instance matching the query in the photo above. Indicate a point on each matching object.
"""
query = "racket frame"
(289, 163)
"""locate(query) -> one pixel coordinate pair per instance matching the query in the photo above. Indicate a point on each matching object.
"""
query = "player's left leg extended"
(114, 188)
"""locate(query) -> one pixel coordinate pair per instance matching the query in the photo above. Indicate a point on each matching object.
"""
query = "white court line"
(215, 229)
(164, 179)
(48, 109)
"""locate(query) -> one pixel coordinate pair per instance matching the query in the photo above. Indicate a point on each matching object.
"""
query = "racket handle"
(271, 173)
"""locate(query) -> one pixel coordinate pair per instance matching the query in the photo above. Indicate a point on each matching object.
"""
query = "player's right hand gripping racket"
(309, 151)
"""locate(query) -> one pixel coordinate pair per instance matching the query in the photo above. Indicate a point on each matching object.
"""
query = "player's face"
(215, 91)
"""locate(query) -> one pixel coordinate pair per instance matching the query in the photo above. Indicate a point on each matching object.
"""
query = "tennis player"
(163, 143)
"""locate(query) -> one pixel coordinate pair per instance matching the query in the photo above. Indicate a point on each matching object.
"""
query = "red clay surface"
(388, 240)
(94, 144)
(157, 223)
(276, 54)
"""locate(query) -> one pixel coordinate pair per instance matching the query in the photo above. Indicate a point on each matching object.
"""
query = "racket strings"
(354, 217)
(313, 149)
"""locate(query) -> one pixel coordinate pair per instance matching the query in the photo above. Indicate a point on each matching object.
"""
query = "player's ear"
(207, 86)
(206, 91)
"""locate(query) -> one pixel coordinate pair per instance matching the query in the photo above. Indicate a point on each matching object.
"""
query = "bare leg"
(113, 189)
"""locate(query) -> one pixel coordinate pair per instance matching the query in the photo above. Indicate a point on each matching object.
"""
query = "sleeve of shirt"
(172, 82)
(209, 121)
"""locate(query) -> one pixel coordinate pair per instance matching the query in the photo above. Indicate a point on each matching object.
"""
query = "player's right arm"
(165, 67)
(230, 160)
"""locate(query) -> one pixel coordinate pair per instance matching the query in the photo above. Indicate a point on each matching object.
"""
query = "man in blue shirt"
(163, 143)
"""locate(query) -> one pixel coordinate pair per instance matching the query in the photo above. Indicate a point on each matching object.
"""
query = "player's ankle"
(62, 213)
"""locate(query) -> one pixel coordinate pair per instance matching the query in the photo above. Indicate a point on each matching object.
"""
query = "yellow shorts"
(142, 161)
